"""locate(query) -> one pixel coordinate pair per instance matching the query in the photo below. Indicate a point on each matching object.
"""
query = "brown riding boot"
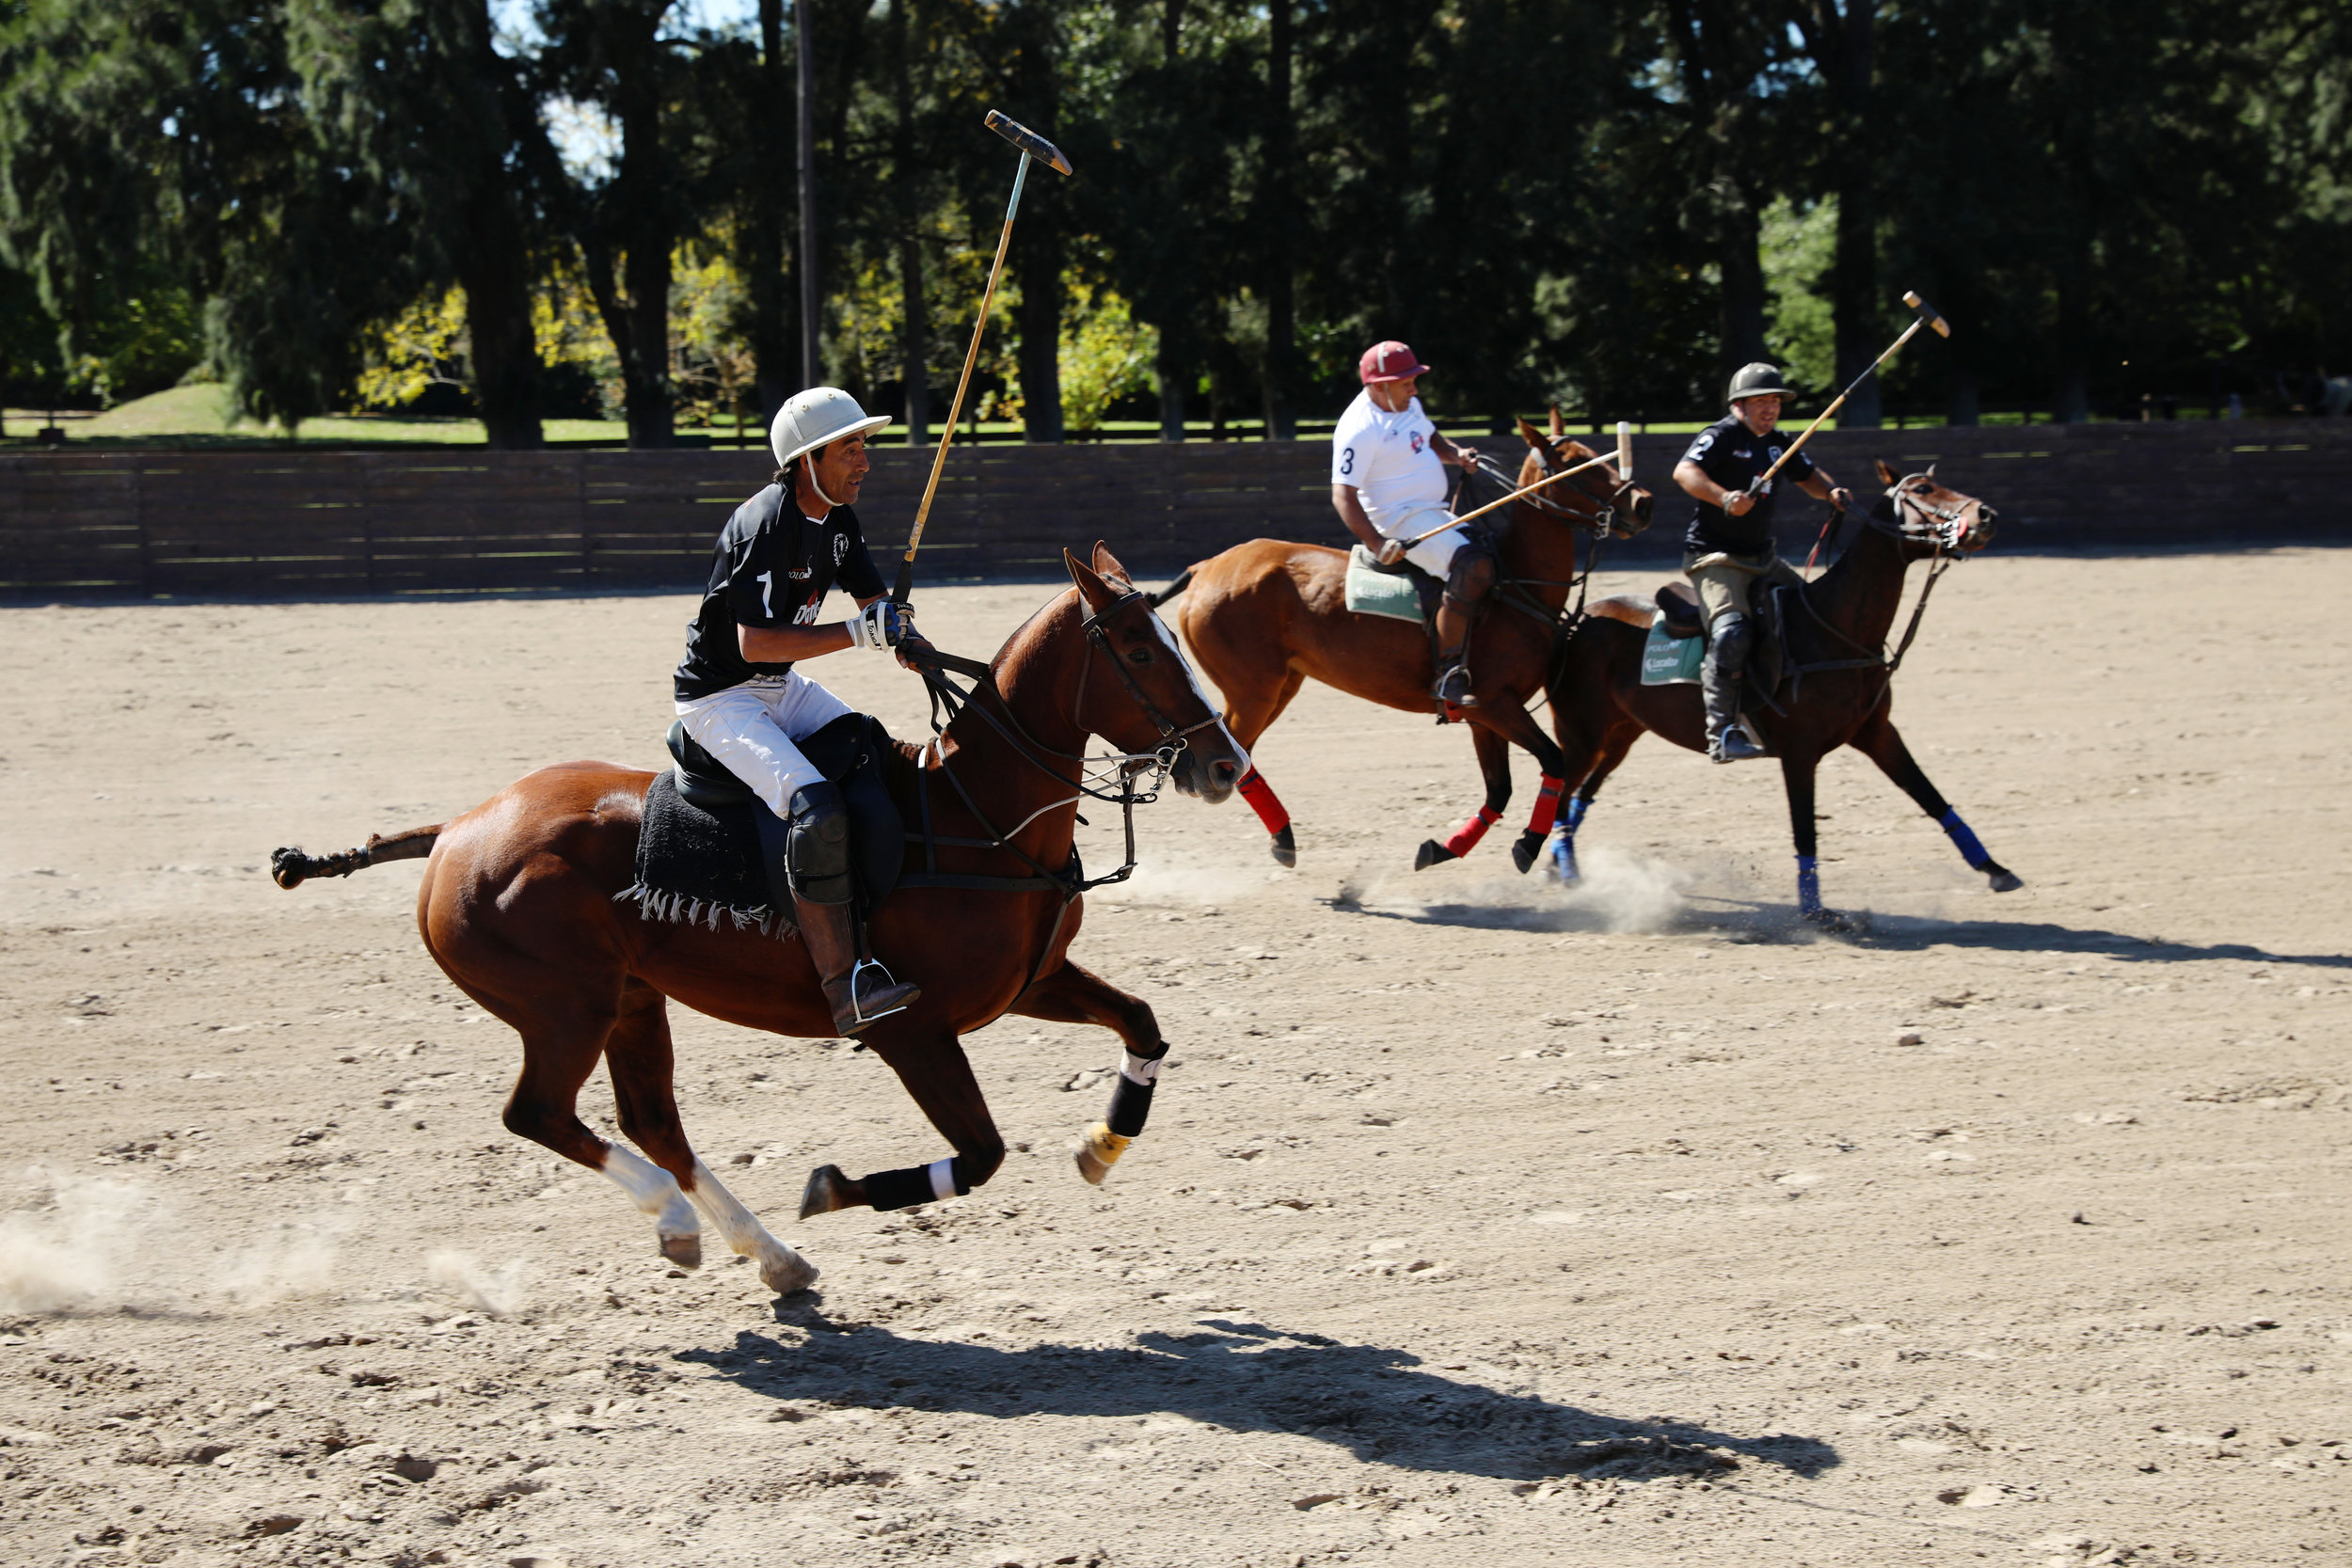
(859, 990)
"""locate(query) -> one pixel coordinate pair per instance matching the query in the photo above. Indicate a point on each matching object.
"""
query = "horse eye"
(1139, 656)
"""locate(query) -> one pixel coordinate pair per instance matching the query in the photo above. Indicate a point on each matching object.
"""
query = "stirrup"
(1735, 744)
(858, 1018)
(1453, 688)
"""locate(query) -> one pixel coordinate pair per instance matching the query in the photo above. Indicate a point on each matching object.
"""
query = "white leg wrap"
(652, 1189)
(1138, 1072)
(942, 1177)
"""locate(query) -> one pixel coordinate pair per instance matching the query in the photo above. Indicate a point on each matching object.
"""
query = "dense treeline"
(1602, 205)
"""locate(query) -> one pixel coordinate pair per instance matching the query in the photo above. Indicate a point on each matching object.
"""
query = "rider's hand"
(1466, 458)
(1736, 503)
(911, 638)
(1840, 497)
(1391, 551)
(883, 624)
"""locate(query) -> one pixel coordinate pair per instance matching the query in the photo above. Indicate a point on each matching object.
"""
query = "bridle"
(1909, 520)
(1174, 740)
(1109, 777)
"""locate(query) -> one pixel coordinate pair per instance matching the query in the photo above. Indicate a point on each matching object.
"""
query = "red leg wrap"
(1466, 837)
(1260, 794)
(1547, 804)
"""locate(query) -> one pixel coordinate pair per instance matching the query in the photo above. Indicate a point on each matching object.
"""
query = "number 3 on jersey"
(1347, 460)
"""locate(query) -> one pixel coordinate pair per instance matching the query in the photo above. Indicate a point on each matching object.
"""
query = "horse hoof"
(1285, 847)
(827, 1190)
(1430, 853)
(289, 868)
(685, 1252)
(1525, 848)
(787, 1272)
(2004, 879)
(1564, 865)
(1099, 1152)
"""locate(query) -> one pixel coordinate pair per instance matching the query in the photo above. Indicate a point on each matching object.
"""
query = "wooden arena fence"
(257, 524)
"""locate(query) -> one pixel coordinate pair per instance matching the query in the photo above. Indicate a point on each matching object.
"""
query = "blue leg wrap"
(1808, 884)
(1563, 839)
(1964, 840)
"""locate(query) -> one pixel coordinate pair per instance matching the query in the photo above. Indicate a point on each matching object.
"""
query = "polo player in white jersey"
(1387, 485)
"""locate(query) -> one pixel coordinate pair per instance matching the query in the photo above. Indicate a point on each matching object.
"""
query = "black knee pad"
(1731, 639)
(817, 847)
(1472, 574)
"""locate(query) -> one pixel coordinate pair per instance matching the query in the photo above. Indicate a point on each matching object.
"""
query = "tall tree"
(1841, 36)
(417, 92)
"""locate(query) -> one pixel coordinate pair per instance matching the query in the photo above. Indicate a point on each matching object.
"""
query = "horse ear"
(1887, 475)
(1559, 425)
(1931, 470)
(1527, 433)
(1091, 588)
(1108, 564)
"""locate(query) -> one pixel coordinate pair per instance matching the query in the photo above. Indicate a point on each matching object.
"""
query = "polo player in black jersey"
(1729, 546)
(741, 699)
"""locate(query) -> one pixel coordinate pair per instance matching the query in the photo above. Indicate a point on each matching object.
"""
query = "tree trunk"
(640, 228)
(775, 349)
(1275, 225)
(1740, 257)
(1172, 374)
(1038, 241)
(1846, 60)
(914, 341)
(807, 257)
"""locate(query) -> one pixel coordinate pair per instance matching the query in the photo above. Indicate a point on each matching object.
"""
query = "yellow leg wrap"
(1100, 1152)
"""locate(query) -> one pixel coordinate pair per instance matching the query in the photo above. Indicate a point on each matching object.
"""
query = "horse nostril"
(1224, 772)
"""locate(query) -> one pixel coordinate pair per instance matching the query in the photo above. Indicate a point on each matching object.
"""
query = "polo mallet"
(1622, 457)
(1927, 317)
(1031, 145)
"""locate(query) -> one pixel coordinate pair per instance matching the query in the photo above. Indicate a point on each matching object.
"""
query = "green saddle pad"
(1373, 591)
(1671, 660)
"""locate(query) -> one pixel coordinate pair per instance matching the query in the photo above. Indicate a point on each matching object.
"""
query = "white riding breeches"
(752, 727)
(1435, 554)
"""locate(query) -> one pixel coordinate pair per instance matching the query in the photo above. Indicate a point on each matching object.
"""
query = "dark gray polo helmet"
(1759, 380)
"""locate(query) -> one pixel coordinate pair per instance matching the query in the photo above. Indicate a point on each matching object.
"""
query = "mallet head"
(1625, 452)
(1936, 324)
(1028, 141)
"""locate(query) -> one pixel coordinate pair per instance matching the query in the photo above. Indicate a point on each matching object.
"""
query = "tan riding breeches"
(1724, 581)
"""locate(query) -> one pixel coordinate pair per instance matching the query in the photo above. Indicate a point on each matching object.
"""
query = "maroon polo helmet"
(1389, 361)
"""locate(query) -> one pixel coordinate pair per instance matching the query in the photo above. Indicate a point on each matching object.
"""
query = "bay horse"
(1264, 617)
(518, 906)
(1843, 691)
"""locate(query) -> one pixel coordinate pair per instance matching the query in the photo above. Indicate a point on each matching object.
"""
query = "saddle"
(1768, 658)
(1400, 593)
(709, 847)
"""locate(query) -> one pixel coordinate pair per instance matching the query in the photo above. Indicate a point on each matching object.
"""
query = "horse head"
(1930, 518)
(1603, 501)
(1141, 696)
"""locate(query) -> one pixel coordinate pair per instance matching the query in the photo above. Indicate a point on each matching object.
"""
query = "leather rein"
(1909, 520)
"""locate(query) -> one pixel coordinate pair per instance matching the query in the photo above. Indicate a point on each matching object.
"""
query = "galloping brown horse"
(517, 907)
(1837, 637)
(1265, 616)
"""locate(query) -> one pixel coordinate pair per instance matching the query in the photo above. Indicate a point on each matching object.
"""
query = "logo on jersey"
(1416, 443)
(841, 546)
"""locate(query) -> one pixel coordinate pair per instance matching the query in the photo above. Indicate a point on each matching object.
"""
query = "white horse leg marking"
(783, 1270)
(655, 1192)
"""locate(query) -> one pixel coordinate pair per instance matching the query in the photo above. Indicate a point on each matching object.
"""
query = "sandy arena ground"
(1480, 1222)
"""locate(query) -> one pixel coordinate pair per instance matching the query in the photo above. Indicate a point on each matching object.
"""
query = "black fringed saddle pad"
(699, 864)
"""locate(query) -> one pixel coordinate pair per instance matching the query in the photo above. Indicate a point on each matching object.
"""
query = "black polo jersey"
(773, 567)
(1735, 457)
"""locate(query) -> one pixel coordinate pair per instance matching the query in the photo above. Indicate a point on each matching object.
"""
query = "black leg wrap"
(1131, 1102)
(904, 1189)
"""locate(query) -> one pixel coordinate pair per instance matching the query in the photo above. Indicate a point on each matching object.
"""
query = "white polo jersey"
(1392, 461)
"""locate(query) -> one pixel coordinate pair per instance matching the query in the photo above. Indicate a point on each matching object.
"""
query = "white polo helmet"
(810, 419)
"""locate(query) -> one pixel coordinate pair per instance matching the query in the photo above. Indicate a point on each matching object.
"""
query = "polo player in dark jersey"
(1729, 546)
(743, 701)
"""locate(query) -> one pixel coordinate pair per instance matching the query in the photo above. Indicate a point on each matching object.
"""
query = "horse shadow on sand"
(1371, 1400)
(1759, 921)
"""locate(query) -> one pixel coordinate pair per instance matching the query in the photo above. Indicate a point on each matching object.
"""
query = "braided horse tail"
(291, 868)
(1155, 600)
